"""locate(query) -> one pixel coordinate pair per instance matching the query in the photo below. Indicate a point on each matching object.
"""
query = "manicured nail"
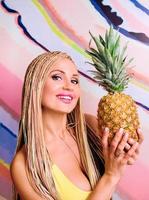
(126, 135)
(121, 130)
(127, 146)
(106, 129)
(131, 140)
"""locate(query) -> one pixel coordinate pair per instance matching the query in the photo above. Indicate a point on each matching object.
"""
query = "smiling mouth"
(65, 98)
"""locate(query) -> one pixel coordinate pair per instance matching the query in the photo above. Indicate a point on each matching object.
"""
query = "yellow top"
(66, 189)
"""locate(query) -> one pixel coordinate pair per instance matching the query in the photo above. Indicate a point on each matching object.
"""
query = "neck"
(54, 124)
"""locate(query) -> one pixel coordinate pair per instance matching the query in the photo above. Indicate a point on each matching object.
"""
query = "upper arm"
(92, 122)
(20, 180)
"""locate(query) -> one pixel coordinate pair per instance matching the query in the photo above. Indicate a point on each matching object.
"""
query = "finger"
(104, 140)
(138, 149)
(132, 151)
(127, 147)
(121, 145)
(134, 157)
(115, 141)
(131, 141)
(130, 161)
(140, 136)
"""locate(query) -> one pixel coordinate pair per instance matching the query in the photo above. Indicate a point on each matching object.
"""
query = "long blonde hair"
(38, 162)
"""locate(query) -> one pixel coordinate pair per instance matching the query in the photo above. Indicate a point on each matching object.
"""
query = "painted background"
(31, 27)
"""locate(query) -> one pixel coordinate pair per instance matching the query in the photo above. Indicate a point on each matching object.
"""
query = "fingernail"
(126, 135)
(121, 130)
(127, 146)
(131, 140)
(106, 129)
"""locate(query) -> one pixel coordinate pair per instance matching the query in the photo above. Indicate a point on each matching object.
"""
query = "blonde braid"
(38, 164)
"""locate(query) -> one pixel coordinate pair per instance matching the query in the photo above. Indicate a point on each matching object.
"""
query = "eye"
(75, 81)
(56, 77)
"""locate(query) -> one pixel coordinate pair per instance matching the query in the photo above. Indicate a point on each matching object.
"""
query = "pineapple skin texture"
(116, 111)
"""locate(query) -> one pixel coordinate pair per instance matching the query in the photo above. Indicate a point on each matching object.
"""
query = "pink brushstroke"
(139, 77)
(10, 91)
(4, 172)
(63, 24)
(130, 18)
(54, 10)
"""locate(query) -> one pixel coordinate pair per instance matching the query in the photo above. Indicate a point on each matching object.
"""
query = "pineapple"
(115, 110)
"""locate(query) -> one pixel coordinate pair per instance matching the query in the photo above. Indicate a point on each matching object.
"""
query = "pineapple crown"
(109, 61)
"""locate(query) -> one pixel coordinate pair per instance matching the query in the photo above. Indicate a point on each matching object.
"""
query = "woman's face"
(61, 90)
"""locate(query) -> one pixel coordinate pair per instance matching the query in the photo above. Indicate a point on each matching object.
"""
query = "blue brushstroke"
(140, 6)
(142, 105)
(123, 31)
(21, 25)
(97, 7)
(7, 143)
(7, 8)
(28, 34)
(140, 37)
(106, 12)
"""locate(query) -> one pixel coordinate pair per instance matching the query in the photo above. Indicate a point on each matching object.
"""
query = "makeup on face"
(62, 90)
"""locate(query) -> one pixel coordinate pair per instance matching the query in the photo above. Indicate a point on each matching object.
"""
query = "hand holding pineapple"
(115, 110)
(130, 142)
(116, 160)
(114, 153)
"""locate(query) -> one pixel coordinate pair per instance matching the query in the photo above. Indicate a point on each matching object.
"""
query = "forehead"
(64, 65)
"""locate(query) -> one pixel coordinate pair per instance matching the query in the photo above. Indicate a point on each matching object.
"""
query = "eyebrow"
(58, 70)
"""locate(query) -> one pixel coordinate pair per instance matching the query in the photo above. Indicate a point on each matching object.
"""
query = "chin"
(63, 109)
(66, 111)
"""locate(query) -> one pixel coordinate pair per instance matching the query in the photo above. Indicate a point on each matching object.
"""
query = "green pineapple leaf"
(110, 61)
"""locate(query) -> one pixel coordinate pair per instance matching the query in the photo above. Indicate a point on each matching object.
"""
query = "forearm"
(104, 188)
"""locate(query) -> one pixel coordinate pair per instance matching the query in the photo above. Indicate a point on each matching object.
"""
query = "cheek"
(45, 99)
(47, 94)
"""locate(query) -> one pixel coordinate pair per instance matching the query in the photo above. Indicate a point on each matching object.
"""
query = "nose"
(67, 85)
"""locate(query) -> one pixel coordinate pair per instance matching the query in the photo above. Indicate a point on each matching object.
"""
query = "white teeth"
(65, 97)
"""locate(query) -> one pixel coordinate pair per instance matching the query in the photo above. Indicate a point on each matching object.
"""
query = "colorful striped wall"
(30, 27)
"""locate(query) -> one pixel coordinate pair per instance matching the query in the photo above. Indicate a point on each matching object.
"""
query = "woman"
(58, 151)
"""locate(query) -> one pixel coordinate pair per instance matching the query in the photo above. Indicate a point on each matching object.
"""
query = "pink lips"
(65, 98)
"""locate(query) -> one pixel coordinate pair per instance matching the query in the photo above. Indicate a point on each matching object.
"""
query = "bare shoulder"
(17, 168)
(19, 177)
(92, 122)
(18, 162)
